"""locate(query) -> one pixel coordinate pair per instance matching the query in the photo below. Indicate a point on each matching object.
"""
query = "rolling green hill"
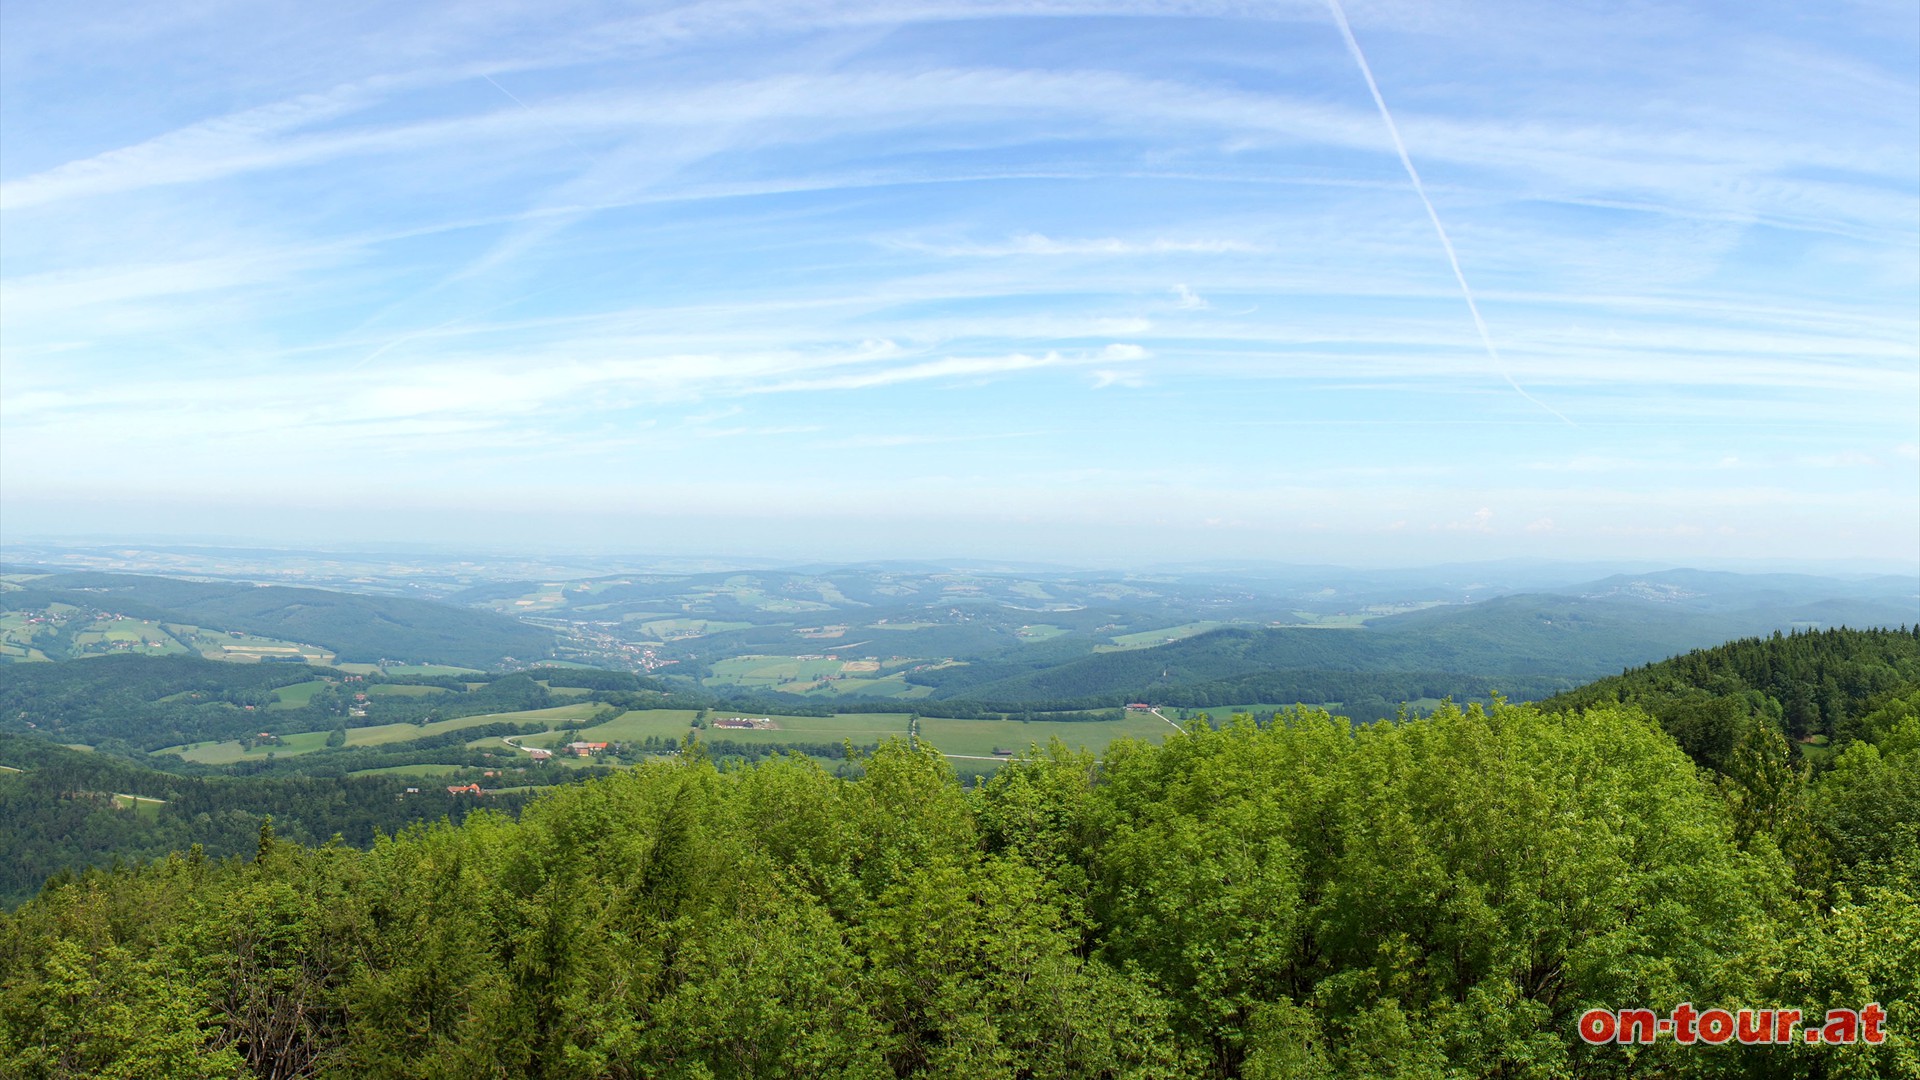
(357, 628)
(1522, 646)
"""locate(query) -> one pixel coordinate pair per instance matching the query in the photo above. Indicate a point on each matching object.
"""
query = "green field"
(226, 753)
(673, 724)
(979, 738)
(404, 690)
(16, 636)
(686, 628)
(428, 669)
(1146, 639)
(144, 808)
(963, 739)
(1040, 632)
(793, 675)
(412, 770)
(297, 696)
(225, 645)
(403, 670)
(891, 686)
(771, 672)
(104, 637)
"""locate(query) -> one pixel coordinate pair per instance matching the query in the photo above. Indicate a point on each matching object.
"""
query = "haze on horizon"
(1061, 280)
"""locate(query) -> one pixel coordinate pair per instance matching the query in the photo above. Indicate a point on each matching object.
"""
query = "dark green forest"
(1302, 897)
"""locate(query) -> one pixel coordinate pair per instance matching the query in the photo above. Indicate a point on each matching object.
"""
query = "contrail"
(516, 100)
(1393, 129)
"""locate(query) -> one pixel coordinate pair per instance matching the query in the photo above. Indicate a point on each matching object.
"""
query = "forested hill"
(1817, 687)
(62, 811)
(358, 628)
(1443, 897)
(1524, 647)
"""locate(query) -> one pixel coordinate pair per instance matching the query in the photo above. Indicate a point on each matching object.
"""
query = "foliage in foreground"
(1438, 898)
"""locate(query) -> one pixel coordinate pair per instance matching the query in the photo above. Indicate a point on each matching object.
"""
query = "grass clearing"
(979, 738)
(404, 690)
(412, 770)
(670, 629)
(1146, 639)
(673, 724)
(297, 696)
(143, 807)
(226, 753)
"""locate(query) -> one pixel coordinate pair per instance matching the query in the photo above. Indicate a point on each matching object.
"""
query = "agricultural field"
(73, 633)
(1344, 621)
(144, 808)
(103, 636)
(233, 645)
(979, 738)
(801, 675)
(1220, 714)
(297, 696)
(17, 630)
(673, 629)
(673, 724)
(404, 690)
(1040, 632)
(1146, 639)
(893, 686)
(412, 770)
(226, 753)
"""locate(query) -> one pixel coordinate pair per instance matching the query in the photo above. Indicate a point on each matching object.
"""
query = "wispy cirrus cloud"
(721, 245)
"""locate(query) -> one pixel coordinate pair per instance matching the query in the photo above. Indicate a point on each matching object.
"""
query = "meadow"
(980, 738)
(403, 670)
(666, 629)
(1146, 639)
(404, 690)
(673, 724)
(297, 696)
(823, 677)
(226, 753)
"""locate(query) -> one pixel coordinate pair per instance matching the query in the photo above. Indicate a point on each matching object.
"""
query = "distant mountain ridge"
(358, 628)
(1523, 645)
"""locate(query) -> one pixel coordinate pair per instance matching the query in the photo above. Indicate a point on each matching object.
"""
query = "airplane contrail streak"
(1393, 129)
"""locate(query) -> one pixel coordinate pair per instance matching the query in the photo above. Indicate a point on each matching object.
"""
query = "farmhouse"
(586, 749)
(762, 723)
(465, 789)
(537, 754)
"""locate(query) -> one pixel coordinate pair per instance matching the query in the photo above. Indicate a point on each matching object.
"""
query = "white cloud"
(1038, 244)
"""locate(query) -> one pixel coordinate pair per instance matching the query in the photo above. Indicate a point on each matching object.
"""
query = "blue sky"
(1086, 281)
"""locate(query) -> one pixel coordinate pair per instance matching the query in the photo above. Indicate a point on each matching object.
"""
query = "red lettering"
(1784, 1022)
(1716, 1026)
(1597, 1026)
(1755, 1027)
(1870, 1017)
(1637, 1025)
(1683, 1018)
(1842, 1026)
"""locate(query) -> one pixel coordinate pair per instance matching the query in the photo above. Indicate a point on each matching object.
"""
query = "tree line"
(1304, 897)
